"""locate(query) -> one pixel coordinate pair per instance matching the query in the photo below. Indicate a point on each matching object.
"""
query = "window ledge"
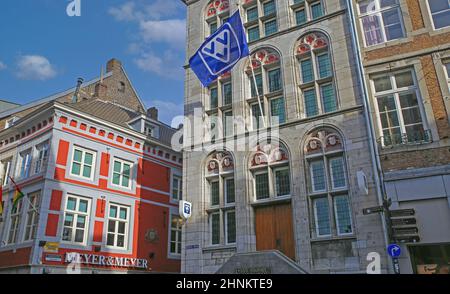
(219, 247)
(270, 201)
(334, 238)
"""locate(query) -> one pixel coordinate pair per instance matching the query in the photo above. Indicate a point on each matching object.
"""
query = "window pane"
(231, 227)
(277, 109)
(110, 240)
(310, 103)
(252, 14)
(81, 221)
(227, 94)
(212, 27)
(214, 193)
(316, 10)
(328, 98)
(125, 181)
(386, 103)
(116, 179)
(337, 172)
(318, 176)
(77, 155)
(282, 181)
(126, 169)
(215, 228)
(83, 206)
(88, 158)
(343, 219)
(300, 17)
(392, 26)
(415, 133)
(71, 203)
(274, 80)
(440, 10)
(447, 69)
(121, 228)
(262, 186)
(253, 34)
(382, 84)
(230, 190)
(123, 213)
(324, 65)
(269, 7)
(113, 211)
(270, 27)
(404, 79)
(120, 241)
(256, 116)
(228, 123)
(67, 234)
(68, 221)
(79, 236)
(213, 97)
(307, 70)
(87, 171)
(258, 78)
(322, 215)
(372, 30)
(76, 169)
(117, 166)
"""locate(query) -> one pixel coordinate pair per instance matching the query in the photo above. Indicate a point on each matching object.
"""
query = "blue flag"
(221, 51)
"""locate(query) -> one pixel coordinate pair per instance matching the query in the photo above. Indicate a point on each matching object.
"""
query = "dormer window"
(151, 131)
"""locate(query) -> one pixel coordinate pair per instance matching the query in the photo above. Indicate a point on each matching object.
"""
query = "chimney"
(77, 90)
(113, 64)
(100, 90)
(152, 113)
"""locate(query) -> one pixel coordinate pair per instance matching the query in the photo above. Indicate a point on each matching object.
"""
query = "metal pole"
(257, 92)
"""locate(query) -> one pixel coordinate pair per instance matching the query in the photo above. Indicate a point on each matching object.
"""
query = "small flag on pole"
(221, 51)
(17, 194)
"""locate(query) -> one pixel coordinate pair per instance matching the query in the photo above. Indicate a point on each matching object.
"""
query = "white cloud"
(2, 65)
(138, 11)
(126, 12)
(169, 112)
(166, 65)
(35, 67)
(171, 31)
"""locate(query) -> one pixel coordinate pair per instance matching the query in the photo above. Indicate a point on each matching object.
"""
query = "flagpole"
(257, 92)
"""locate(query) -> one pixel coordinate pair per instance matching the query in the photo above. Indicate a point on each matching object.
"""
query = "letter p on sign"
(74, 8)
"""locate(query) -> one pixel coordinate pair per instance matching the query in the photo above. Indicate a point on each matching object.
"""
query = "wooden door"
(274, 229)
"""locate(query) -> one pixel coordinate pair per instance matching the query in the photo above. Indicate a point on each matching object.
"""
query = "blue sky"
(43, 50)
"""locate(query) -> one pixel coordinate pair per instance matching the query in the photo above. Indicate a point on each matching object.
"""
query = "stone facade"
(331, 254)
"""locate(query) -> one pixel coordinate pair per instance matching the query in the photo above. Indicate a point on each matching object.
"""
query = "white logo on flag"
(219, 47)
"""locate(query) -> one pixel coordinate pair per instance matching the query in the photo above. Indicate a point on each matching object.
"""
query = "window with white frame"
(267, 75)
(440, 13)
(381, 21)
(306, 10)
(24, 164)
(398, 106)
(121, 173)
(327, 184)
(317, 83)
(32, 220)
(177, 186)
(118, 223)
(221, 197)
(217, 12)
(260, 18)
(76, 220)
(42, 151)
(14, 224)
(271, 174)
(175, 234)
(5, 170)
(83, 162)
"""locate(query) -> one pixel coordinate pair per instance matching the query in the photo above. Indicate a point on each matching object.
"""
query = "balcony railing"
(420, 137)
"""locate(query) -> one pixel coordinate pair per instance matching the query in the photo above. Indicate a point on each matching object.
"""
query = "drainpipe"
(378, 173)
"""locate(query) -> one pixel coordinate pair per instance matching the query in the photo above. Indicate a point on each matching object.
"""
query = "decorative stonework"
(323, 141)
(217, 7)
(220, 161)
(312, 41)
(269, 154)
(263, 57)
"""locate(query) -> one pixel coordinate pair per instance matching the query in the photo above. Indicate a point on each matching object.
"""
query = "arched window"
(269, 167)
(316, 75)
(327, 184)
(220, 191)
(217, 12)
(260, 18)
(306, 10)
(268, 78)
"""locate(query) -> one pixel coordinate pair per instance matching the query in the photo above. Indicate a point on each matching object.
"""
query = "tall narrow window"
(177, 186)
(381, 21)
(305, 11)
(327, 184)
(222, 198)
(14, 224)
(217, 11)
(121, 173)
(400, 114)
(42, 157)
(316, 75)
(260, 16)
(83, 162)
(440, 13)
(5, 170)
(25, 159)
(175, 234)
(118, 222)
(32, 215)
(76, 220)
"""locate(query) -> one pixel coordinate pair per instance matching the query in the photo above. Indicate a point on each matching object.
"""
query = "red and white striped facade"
(84, 208)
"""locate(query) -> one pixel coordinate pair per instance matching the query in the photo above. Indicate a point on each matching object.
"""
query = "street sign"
(404, 221)
(394, 250)
(402, 212)
(372, 210)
